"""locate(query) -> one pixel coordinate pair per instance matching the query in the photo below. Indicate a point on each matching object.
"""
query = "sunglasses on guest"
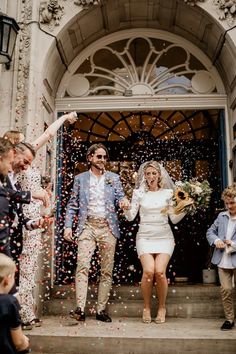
(100, 157)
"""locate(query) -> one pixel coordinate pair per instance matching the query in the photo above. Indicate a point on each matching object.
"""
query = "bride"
(155, 241)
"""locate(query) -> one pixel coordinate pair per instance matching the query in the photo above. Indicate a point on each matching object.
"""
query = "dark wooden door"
(187, 143)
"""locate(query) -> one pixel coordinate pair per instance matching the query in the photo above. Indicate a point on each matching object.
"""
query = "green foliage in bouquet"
(191, 196)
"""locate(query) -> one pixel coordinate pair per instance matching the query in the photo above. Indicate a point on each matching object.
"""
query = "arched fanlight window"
(165, 125)
(141, 65)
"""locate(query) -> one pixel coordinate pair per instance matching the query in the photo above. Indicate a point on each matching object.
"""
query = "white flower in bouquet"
(191, 196)
(198, 190)
(179, 184)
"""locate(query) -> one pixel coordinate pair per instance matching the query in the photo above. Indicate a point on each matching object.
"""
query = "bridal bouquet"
(191, 196)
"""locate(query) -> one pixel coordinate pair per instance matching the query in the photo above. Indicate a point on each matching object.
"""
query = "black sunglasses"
(99, 157)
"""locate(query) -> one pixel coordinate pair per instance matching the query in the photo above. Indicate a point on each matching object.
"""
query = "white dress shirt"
(96, 207)
(13, 179)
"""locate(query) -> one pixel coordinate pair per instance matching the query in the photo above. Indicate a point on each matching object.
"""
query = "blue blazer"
(218, 230)
(78, 203)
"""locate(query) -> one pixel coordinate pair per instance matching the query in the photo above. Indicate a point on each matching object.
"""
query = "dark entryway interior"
(188, 143)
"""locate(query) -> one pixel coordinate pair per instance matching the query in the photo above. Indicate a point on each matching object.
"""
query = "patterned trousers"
(95, 233)
(32, 246)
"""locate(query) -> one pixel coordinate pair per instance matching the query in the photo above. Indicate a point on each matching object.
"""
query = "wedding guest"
(29, 178)
(222, 236)
(12, 339)
(7, 195)
(95, 198)
(154, 241)
(32, 183)
(23, 157)
(6, 161)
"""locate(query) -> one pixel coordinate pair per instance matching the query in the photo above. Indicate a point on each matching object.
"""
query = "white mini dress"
(154, 234)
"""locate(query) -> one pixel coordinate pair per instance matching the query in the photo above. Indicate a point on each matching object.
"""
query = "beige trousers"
(95, 233)
(226, 278)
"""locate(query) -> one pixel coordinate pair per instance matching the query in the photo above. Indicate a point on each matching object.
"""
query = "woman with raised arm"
(155, 242)
(31, 243)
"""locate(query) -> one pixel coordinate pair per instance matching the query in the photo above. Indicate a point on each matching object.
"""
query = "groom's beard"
(100, 166)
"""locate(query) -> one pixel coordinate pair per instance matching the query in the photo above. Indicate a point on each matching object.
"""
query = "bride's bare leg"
(161, 262)
(147, 261)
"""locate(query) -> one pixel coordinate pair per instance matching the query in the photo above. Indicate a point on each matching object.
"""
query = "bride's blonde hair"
(155, 165)
(165, 179)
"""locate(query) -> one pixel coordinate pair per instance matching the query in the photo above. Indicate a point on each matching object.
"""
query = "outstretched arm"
(135, 205)
(53, 128)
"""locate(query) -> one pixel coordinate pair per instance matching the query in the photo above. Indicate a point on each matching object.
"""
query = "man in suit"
(6, 160)
(95, 198)
(23, 156)
(8, 195)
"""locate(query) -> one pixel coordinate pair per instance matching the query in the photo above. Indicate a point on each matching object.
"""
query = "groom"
(96, 196)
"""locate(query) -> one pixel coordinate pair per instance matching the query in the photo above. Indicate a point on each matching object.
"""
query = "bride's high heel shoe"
(161, 316)
(146, 316)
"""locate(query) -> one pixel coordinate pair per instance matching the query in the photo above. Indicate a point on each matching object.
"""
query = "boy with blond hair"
(12, 339)
(222, 236)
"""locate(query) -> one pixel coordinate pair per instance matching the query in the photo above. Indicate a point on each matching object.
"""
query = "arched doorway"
(146, 94)
(189, 145)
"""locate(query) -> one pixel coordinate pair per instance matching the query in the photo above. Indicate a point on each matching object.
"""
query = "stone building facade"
(120, 56)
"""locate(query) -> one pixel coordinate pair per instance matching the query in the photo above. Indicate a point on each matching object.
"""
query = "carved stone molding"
(86, 3)
(51, 12)
(23, 62)
(193, 2)
(227, 10)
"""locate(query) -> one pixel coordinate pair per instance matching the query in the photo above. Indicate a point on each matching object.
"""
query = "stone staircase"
(194, 316)
(126, 301)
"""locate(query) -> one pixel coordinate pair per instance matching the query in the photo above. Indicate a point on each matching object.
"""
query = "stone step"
(133, 292)
(130, 336)
(133, 308)
(199, 301)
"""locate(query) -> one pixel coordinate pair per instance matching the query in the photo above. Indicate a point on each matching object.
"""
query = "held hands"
(68, 234)
(124, 204)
